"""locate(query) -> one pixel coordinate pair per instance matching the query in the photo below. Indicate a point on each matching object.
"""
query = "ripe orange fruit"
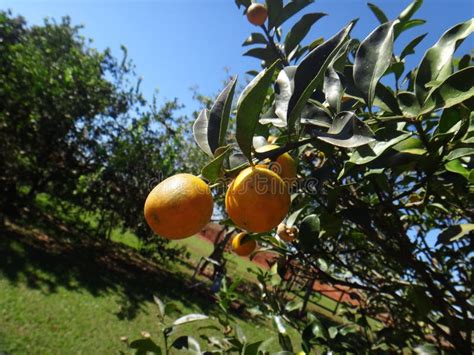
(179, 206)
(243, 247)
(287, 233)
(284, 165)
(257, 200)
(257, 14)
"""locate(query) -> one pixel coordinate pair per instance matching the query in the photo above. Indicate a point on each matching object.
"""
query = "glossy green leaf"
(372, 60)
(403, 26)
(408, 104)
(396, 67)
(249, 106)
(293, 305)
(213, 170)
(255, 38)
(252, 349)
(426, 349)
(464, 62)
(283, 337)
(300, 29)
(285, 342)
(436, 64)
(275, 8)
(456, 166)
(200, 127)
(284, 86)
(332, 332)
(366, 154)
(293, 217)
(459, 153)
(315, 329)
(454, 233)
(267, 54)
(346, 131)
(410, 47)
(386, 100)
(160, 304)
(378, 13)
(290, 9)
(410, 10)
(457, 88)
(316, 116)
(219, 116)
(310, 73)
(449, 118)
(411, 144)
(333, 88)
(189, 318)
(237, 159)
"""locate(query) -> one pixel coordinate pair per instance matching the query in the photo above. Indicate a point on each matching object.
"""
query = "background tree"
(74, 125)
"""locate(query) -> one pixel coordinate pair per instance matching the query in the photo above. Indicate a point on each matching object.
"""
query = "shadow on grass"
(78, 262)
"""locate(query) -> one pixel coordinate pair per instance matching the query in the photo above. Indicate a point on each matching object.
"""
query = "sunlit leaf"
(310, 73)
(160, 304)
(410, 47)
(403, 26)
(456, 166)
(249, 106)
(454, 233)
(459, 153)
(333, 88)
(409, 104)
(200, 131)
(275, 8)
(366, 154)
(436, 64)
(284, 87)
(255, 38)
(372, 60)
(346, 131)
(213, 170)
(410, 10)
(190, 318)
(267, 54)
(378, 13)
(219, 116)
(457, 88)
(300, 30)
(290, 9)
(386, 100)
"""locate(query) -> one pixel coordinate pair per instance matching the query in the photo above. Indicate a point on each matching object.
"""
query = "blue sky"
(176, 44)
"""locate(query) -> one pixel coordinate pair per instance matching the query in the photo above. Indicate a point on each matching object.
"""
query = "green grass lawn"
(67, 321)
(67, 294)
(62, 298)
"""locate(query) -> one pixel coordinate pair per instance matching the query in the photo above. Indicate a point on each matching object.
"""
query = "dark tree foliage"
(74, 125)
(385, 153)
